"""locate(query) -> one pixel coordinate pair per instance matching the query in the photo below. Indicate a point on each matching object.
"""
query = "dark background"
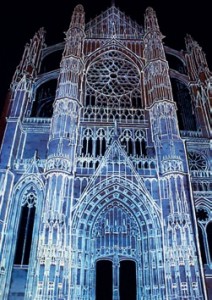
(19, 20)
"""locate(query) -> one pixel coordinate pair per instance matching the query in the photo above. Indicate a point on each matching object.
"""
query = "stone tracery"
(112, 181)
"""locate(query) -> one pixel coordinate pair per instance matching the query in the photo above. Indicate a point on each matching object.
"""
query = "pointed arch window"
(87, 149)
(100, 142)
(127, 142)
(25, 228)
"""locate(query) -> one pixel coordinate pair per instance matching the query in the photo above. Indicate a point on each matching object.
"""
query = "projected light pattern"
(98, 186)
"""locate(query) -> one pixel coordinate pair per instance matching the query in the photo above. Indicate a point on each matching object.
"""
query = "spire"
(197, 58)
(153, 37)
(30, 62)
(192, 46)
(190, 43)
(78, 17)
(116, 130)
(33, 166)
(75, 33)
(151, 22)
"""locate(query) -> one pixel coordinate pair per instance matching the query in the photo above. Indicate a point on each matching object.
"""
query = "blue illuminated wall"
(105, 173)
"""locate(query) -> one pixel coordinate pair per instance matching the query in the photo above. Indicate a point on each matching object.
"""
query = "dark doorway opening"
(127, 277)
(104, 280)
(209, 235)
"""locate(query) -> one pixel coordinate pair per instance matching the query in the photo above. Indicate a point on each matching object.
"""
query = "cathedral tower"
(105, 174)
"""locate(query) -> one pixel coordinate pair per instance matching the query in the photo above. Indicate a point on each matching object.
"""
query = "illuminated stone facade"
(105, 172)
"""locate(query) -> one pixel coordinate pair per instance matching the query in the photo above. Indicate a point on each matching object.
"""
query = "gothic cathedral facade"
(105, 164)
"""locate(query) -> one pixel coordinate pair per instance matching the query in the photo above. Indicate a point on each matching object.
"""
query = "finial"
(36, 154)
(112, 2)
(116, 129)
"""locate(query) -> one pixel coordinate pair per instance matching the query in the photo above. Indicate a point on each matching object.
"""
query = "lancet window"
(94, 142)
(25, 228)
(134, 142)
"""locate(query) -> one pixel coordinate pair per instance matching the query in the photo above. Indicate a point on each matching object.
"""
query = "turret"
(20, 93)
(67, 105)
(157, 82)
(176, 203)
(53, 264)
(200, 84)
(196, 60)
(159, 98)
(26, 71)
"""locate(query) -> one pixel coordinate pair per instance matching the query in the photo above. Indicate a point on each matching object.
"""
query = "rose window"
(196, 161)
(112, 76)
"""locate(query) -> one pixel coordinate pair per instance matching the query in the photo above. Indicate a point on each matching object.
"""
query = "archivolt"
(27, 182)
(123, 51)
(121, 191)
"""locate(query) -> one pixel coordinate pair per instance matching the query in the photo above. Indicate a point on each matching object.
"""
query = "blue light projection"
(102, 197)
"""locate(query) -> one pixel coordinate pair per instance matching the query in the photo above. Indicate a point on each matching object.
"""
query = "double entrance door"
(115, 281)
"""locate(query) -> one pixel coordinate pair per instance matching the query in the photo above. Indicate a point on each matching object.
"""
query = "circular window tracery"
(196, 161)
(202, 214)
(113, 75)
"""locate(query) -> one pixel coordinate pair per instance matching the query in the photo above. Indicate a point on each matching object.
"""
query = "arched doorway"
(115, 279)
(120, 225)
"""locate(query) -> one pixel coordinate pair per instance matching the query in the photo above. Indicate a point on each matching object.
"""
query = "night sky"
(23, 18)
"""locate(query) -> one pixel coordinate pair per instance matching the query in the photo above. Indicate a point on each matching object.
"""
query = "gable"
(113, 23)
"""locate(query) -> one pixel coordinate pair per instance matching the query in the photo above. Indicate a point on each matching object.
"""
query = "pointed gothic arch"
(116, 220)
(28, 196)
(27, 193)
(116, 46)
